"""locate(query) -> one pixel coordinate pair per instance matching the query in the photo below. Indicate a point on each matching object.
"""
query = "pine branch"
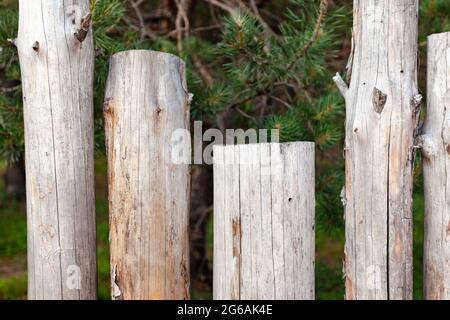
(320, 19)
(266, 89)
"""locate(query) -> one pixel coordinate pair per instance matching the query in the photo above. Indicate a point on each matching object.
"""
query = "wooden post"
(435, 143)
(264, 221)
(57, 78)
(382, 107)
(146, 101)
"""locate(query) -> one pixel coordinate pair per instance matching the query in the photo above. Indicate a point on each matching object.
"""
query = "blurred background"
(251, 64)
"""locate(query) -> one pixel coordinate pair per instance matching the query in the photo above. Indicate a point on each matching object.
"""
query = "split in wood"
(115, 280)
(83, 30)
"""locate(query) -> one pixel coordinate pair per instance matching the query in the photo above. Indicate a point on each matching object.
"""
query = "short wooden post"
(146, 101)
(382, 115)
(57, 63)
(264, 221)
(435, 143)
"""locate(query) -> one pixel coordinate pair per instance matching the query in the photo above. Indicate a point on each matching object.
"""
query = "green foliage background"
(275, 76)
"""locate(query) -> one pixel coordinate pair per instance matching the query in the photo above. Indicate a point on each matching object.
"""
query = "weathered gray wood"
(435, 143)
(57, 78)
(382, 114)
(146, 100)
(264, 221)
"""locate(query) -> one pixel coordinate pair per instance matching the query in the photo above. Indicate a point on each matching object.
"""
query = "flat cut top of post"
(438, 35)
(151, 54)
(295, 143)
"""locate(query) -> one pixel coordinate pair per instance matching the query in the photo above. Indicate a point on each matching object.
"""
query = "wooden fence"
(147, 100)
(57, 80)
(264, 221)
(382, 117)
(264, 193)
(435, 143)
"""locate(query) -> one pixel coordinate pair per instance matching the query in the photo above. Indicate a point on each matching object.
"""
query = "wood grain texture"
(382, 116)
(146, 100)
(57, 78)
(264, 221)
(435, 143)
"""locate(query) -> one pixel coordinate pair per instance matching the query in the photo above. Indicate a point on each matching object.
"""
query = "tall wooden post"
(264, 221)
(57, 63)
(435, 143)
(146, 102)
(382, 106)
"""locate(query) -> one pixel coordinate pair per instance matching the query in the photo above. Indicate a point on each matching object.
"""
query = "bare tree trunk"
(146, 101)
(435, 143)
(264, 221)
(56, 57)
(382, 115)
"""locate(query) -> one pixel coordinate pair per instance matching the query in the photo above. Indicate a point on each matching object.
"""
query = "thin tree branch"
(223, 6)
(204, 73)
(142, 26)
(182, 21)
(321, 17)
(193, 30)
(287, 105)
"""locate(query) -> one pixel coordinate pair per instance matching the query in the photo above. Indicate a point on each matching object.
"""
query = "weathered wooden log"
(382, 106)
(264, 221)
(435, 144)
(57, 78)
(146, 101)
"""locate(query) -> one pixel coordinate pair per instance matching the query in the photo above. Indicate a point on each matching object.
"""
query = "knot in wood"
(107, 105)
(83, 30)
(379, 100)
(36, 46)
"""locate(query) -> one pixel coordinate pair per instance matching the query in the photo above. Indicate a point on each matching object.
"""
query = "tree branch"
(320, 18)
(340, 83)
